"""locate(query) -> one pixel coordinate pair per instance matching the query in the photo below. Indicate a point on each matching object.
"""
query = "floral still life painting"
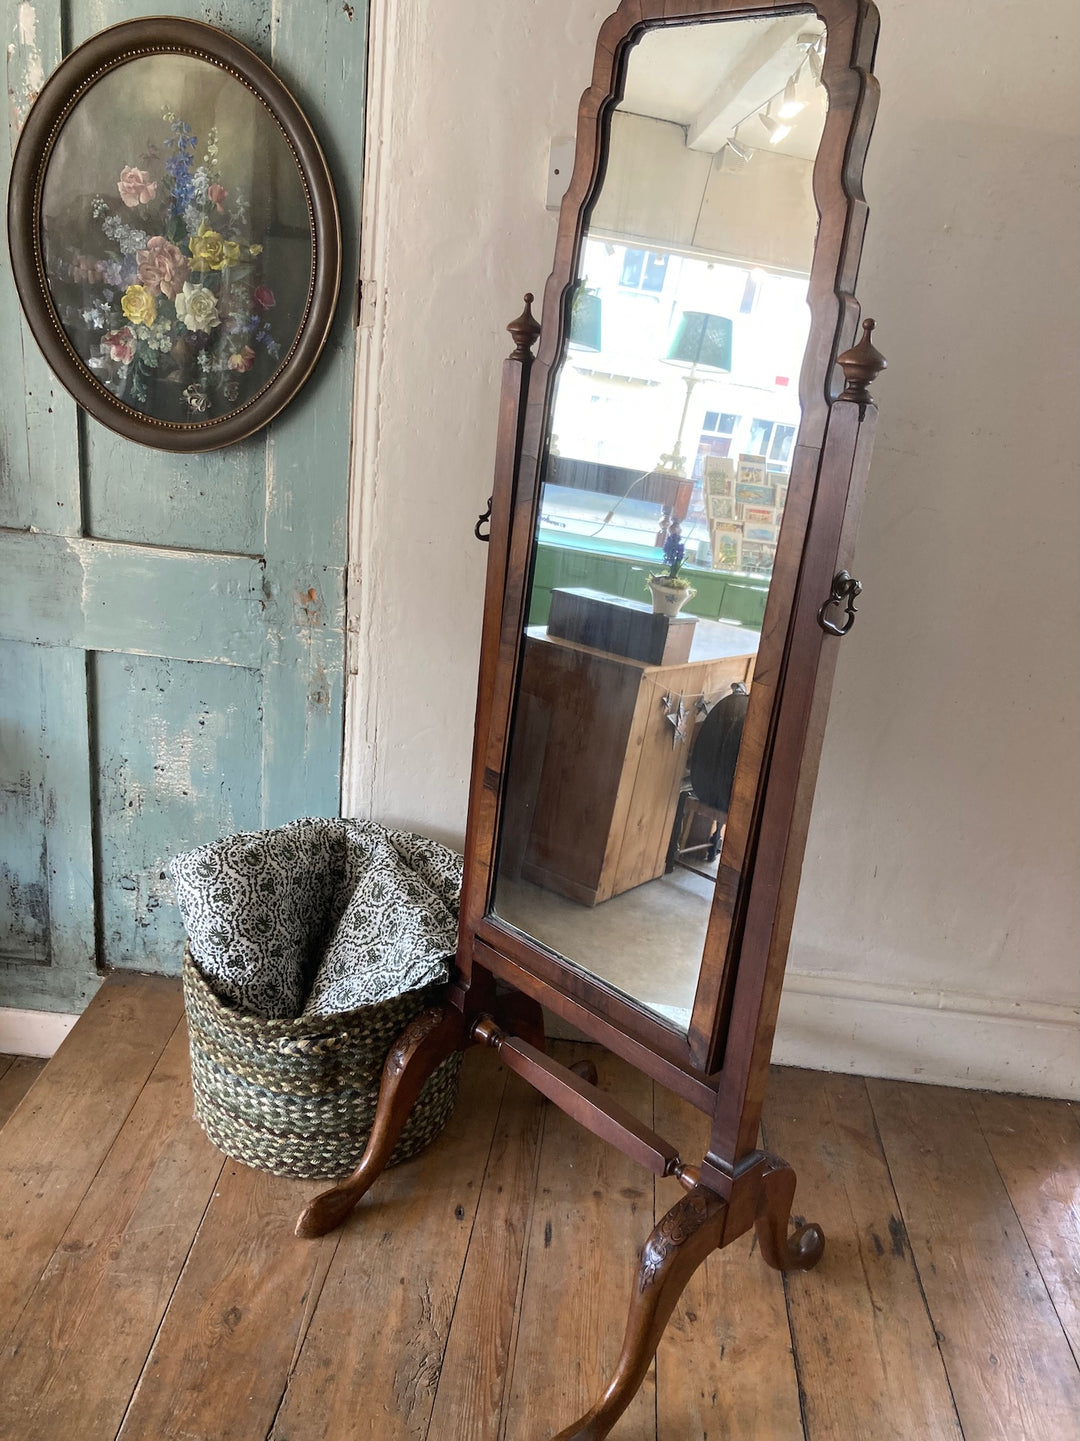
(174, 277)
(174, 234)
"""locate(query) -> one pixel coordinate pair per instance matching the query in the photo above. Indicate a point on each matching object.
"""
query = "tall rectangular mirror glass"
(672, 431)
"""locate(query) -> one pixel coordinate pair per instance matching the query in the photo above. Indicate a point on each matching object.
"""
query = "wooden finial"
(862, 364)
(525, 330)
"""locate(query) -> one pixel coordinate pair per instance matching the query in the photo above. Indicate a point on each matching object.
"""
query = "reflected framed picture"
(719, 487)
(755, 495)
(726, 545)
(753, 470)
(174, 234)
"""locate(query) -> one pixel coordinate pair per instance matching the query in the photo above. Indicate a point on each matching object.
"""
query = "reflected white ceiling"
(710, 77)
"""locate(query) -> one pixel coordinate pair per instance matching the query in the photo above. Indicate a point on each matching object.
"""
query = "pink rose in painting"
(242, 360)
(162, 267)
(120, 345)
(216, 194)
(263, 297)
(136, 187)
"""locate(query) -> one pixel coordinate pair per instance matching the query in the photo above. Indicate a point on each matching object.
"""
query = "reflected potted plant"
(670, 591)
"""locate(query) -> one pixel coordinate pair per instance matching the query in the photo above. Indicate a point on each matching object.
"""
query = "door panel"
(180, 750)
(46, 859)
(171, 627)
(24, 869)
(218, 508)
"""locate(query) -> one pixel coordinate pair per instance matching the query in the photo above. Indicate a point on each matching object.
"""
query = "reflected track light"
(777, 130)
(791, 105)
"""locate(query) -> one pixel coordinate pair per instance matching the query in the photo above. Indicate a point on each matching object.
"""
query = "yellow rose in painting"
(230, 253)
(207, 249)
(138, 305)
(254, 250)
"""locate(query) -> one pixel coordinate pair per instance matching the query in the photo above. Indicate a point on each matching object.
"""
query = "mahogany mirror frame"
(721, 1064)
(761, 857)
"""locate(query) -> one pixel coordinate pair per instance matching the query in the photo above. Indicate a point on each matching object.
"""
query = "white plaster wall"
(936, 934)
(943, 849)
(475, 91)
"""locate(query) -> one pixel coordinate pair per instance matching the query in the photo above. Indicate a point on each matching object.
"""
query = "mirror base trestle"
(702, 1221)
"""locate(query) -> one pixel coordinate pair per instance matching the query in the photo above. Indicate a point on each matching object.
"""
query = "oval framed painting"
(174, 234)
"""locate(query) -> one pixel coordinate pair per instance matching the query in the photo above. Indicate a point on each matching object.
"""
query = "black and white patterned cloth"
(319, 917)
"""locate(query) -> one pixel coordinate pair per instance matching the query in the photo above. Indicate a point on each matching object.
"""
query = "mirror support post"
(720, 1061)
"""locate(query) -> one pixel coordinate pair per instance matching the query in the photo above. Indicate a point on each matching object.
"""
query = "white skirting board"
(32, 1033)
(865, 1029)
(830, 1023)
(838, 1024)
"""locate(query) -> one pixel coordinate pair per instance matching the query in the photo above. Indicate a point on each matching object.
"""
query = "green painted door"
(171, 627)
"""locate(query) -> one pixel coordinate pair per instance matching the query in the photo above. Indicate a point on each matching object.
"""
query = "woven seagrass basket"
(298, 1097)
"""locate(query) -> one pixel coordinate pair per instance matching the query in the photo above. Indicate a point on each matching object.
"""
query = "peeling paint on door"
(171, 627)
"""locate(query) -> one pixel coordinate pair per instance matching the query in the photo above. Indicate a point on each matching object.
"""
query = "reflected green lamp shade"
(702, 340)
(585, 320)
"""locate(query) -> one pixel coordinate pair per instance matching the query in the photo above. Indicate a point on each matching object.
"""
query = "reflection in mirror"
(675, 416)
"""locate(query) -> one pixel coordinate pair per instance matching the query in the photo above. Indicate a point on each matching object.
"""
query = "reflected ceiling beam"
(759, 73)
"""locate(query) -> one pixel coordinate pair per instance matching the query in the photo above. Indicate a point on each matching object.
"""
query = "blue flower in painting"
(180, 146)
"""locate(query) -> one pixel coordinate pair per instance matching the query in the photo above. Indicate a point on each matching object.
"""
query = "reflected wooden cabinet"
(599, 762)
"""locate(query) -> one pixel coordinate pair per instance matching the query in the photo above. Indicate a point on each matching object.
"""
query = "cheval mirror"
(641, 788)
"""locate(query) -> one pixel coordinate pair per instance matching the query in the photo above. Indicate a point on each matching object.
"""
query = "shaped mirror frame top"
(758, 867)
(688, 326)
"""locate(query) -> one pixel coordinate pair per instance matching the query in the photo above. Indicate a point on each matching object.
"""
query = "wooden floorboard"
(593, 1213)
(1036, 1148)
(1010, 1366)
(372, 1357)
(54, 1142)
(17, 1075)
(479, 1293)
(860, 1313)
(220, 1361)
(478, 1358)
(76, 1352)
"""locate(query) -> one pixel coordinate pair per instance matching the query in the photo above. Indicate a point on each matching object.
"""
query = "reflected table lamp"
(701, 342)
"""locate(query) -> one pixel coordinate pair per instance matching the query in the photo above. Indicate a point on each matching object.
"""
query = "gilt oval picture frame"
(174, 234)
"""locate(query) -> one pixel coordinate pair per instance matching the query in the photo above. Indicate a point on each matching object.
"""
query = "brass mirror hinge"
(482, 520)
(844, 590)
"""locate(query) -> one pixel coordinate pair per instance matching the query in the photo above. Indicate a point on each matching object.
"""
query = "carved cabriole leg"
(804, 1247)
(423, 1045)
(676, 1248)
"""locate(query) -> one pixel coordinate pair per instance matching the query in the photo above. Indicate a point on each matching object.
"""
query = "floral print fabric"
(319, 917)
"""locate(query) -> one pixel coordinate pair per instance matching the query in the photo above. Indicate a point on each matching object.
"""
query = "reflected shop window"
(672, 431)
